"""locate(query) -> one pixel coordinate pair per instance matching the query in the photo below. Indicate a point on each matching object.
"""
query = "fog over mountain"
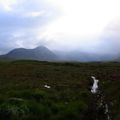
(39, 53)
(42, 53)
(90, 30)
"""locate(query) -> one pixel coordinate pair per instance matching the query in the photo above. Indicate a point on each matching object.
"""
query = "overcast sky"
(84, 25)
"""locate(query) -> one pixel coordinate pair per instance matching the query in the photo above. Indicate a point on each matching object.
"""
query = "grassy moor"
(24, 95)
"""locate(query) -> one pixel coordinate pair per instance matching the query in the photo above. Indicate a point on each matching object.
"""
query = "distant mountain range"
(85, 57)
(42, 53)
(39, 53)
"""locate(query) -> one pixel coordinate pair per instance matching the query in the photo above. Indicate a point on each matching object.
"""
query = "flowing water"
(95, 85)
(101, 104)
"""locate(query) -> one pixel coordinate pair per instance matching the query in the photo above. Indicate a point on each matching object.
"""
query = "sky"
(91, 26)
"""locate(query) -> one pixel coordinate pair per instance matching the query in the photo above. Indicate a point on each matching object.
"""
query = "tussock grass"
(24, 97)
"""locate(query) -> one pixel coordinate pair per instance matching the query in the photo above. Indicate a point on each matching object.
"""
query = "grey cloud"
(110, 39)
(15, 21)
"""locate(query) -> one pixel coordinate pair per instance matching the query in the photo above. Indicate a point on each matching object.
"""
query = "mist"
(81, 28)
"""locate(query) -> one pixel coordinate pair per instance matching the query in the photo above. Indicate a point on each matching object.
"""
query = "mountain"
(84, 57)
(39, 53)
(44, 54)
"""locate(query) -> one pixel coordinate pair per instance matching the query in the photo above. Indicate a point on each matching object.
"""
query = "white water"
(94, 91)
(107, 112)
(95, 85)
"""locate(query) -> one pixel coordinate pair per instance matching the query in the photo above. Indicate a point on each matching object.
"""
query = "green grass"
(24, 97)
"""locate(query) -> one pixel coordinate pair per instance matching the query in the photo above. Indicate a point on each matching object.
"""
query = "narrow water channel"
(102, 108)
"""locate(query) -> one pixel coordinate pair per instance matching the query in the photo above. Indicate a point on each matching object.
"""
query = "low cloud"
(110, 38)
(21, 24)
(84, 28)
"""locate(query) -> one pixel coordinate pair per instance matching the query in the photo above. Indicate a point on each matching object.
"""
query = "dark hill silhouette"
(39, 53)
(42, 53)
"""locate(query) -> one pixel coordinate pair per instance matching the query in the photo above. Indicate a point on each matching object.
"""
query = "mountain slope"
(84, 57)
(39, 53)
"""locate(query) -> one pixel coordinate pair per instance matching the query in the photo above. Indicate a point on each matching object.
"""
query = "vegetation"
(23, 95)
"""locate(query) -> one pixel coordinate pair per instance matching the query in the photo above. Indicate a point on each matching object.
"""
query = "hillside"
(42, 53)
(31, 90)
(39, 53)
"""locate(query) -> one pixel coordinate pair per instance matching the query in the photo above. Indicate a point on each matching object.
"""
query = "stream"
(101, 106)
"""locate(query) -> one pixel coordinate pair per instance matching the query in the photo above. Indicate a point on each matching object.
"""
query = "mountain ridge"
(42, 53)
(39, 53)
